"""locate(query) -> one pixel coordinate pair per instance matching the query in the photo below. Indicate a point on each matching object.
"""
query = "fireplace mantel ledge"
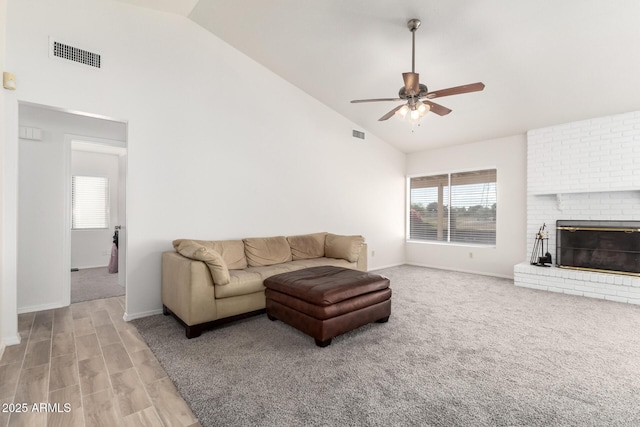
(569, 192)
(560, 195)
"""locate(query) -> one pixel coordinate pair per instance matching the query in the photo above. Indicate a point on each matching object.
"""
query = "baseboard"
(7, 341)
(387, 266)
(481, 273)
(86, 267)
(128, 317)
(33, 308)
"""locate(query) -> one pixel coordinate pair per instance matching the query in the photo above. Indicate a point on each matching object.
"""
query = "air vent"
(71, 53)
(358, 134)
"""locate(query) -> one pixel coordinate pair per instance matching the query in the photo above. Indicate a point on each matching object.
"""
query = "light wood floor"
(87, 357)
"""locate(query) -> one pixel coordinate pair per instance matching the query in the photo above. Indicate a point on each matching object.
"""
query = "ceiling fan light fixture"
(423, 108)
(413, 112)
(402, 112)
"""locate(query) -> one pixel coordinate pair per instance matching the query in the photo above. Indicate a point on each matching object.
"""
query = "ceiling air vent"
(71, 53)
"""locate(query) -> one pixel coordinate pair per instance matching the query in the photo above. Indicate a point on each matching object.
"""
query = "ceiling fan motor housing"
(402, 93)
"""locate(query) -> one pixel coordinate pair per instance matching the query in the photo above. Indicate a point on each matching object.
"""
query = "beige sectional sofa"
(205, 283)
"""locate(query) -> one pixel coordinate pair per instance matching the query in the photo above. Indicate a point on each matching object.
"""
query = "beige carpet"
(94, 283)
(458, 350)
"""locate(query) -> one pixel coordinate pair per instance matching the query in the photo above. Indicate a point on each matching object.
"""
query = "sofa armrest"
(363, 259)
(187, 289)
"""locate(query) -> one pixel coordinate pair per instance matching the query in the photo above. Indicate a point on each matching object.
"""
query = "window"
(89, 202)
(455, 207)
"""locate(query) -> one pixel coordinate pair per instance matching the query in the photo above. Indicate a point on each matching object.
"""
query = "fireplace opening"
(606, 246)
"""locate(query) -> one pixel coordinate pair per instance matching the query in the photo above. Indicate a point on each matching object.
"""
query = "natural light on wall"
(454, 207)
(90, 202)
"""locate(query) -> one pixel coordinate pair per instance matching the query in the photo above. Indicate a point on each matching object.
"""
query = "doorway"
(98, 183)
(49, 137)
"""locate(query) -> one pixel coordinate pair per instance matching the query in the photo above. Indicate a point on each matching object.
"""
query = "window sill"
(90, 229)
(463, 245)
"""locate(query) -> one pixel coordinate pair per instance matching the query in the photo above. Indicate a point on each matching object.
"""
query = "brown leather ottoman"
(327, 301)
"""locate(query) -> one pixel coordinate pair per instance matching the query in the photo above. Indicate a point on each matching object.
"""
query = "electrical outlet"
(470, 254)
(373, 253)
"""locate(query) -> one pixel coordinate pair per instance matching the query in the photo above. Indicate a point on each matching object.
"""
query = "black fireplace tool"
(538, 256)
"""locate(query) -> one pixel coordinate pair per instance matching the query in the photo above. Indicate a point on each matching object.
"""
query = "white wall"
(508, 156)
(92, 248)
(197, 166)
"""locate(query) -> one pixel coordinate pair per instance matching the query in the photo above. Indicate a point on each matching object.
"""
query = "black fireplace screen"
(611, 246)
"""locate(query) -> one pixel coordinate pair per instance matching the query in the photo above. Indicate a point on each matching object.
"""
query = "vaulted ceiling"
(544, 62)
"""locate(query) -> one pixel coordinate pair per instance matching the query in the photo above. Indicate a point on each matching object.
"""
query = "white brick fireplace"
(587, 170)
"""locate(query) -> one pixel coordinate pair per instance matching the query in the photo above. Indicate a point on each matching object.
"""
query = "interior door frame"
(69, 139)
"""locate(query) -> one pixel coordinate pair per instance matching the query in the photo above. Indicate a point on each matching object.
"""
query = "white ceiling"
(544, 62)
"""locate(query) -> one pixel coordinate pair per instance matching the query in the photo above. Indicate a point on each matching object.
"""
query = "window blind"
(456, 207)
(473, 207)
(90, 202)
(429, 208)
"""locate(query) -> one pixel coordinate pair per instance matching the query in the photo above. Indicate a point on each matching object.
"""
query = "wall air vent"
(358, 134)
(71, 53)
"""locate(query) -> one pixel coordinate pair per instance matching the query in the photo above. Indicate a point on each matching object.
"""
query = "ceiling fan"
(416, 94)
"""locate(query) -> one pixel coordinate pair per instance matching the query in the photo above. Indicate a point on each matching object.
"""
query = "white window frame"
(448, 241)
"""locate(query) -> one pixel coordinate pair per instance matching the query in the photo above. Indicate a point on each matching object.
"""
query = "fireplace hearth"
(601, 246)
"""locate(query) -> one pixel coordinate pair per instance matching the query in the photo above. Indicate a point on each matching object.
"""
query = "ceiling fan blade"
(357, 101)
(474, 87)
(437, 108)
(390, 113)
(411, 83)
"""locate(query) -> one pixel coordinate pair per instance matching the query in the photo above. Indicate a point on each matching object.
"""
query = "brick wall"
(613, 287)
(618, 205)
(596, 155)
(587, 170)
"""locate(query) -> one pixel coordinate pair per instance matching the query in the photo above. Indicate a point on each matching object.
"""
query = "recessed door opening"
(72, 196)
(96, 219)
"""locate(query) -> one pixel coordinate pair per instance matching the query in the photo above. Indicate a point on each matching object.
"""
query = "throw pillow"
(232, 251)
(217, 266)
(344, 247)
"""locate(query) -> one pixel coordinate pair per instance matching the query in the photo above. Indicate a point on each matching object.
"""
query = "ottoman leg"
(383, 320)
(270, 317)
(323, 343)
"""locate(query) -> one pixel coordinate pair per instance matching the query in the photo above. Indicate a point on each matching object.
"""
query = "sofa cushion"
(316, 262)
(307, 246)
(344, 247)
(242, 282)
(215, 262)
(262, 251)
(232, 251)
